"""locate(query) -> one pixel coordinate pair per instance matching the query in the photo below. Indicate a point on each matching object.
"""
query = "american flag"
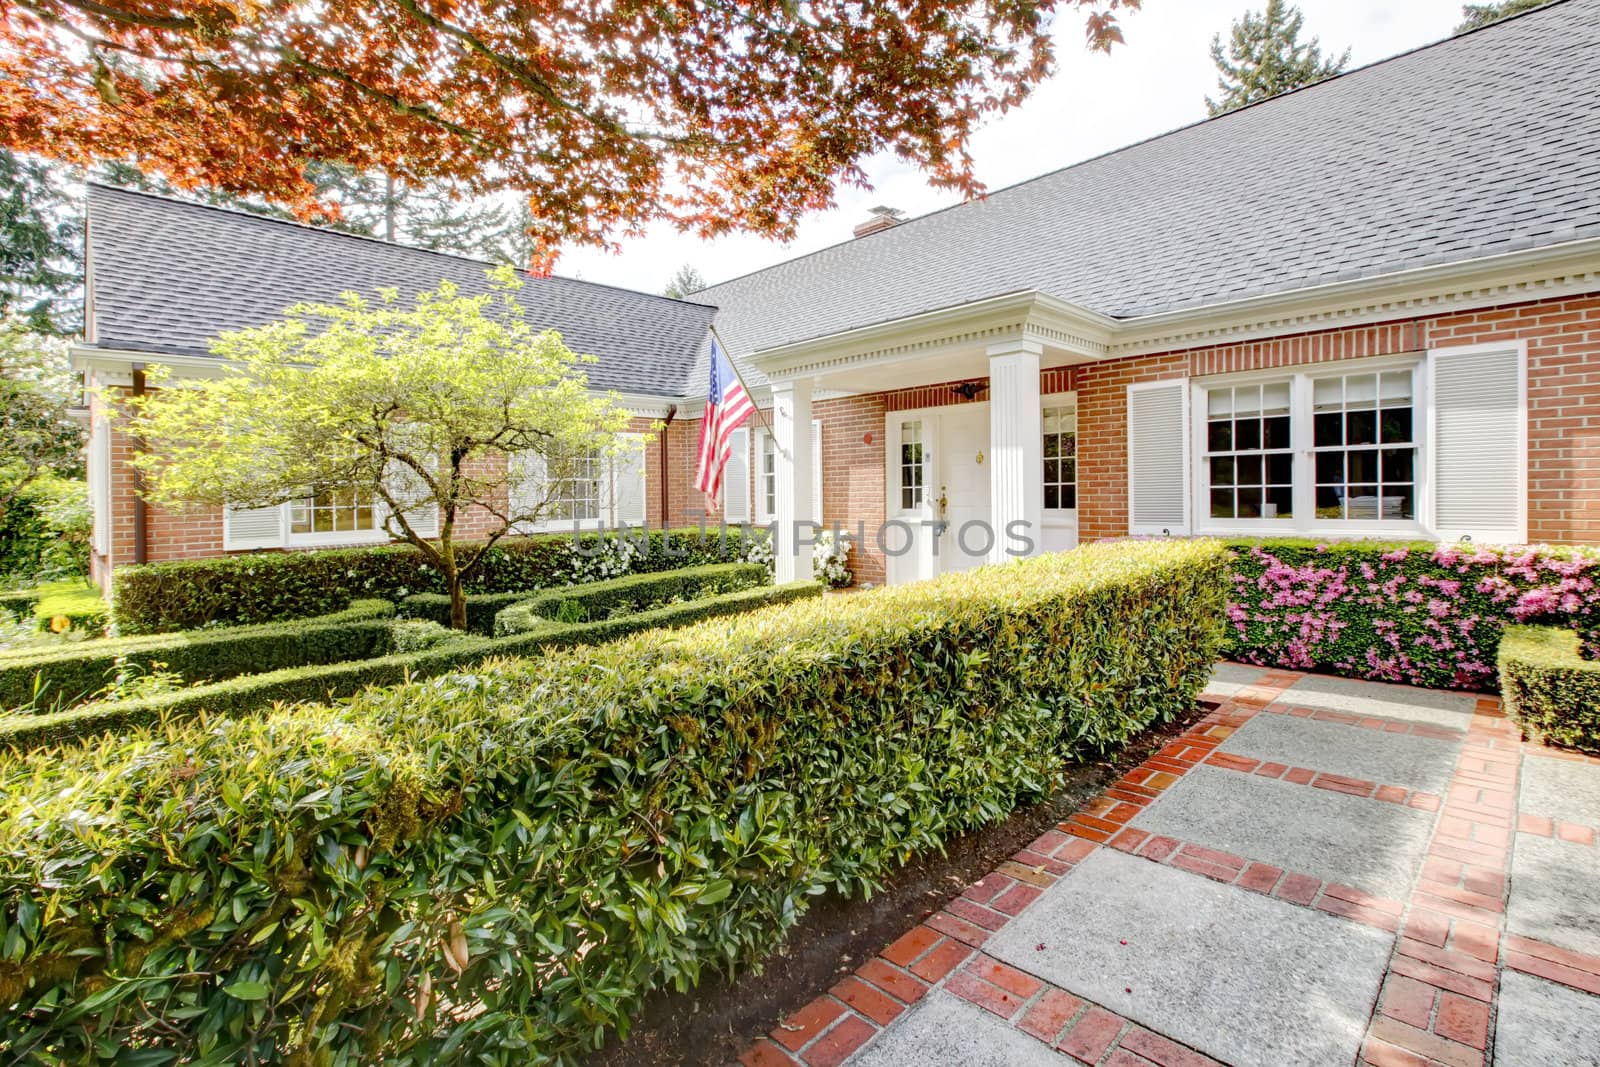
(727, 408)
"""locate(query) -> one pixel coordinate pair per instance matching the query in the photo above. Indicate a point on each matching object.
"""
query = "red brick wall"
(1563, 338)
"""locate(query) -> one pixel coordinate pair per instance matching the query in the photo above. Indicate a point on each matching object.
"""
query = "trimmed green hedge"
(81, 605)
(272, 586)
(591, 601)
(1419, 613)
(481, 608)
(19, 602)
(69, 673)
(1549, 689)
(251, 693)
(496, 867)
(599, 601)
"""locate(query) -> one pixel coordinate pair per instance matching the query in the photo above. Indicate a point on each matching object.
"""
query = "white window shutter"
(1158, 458)
(628, 483)
(816, 471)
(408, 489)
(525, 488)
(100, 486)
(1478, 449)
(247, 528)
(736, 478)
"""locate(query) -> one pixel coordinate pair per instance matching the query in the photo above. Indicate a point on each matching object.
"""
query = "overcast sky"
(1155, 82)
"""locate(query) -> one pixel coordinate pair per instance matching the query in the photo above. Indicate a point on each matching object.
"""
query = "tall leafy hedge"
(65, 674)
(1550, 691)
(494, 867)
(271, 586)
(1419, 613)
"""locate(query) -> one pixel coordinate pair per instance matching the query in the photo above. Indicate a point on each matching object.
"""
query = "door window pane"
(912, 468)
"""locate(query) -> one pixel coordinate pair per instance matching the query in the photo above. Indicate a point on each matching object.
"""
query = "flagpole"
(717, 337)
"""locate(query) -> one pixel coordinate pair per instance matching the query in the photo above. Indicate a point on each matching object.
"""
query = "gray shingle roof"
(1479, 144)
(1483, 143)
(168, 275)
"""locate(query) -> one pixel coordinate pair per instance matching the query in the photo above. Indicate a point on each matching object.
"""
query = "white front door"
(938, 483)
(964, 487)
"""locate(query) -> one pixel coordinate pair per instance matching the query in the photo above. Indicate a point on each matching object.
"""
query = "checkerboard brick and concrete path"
(1320, 871)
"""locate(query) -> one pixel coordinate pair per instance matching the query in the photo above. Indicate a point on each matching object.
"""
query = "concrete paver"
(1351, 840)
(1555, 893)
(1543, 1024)
(1377, 698)
(1387, 758)
(1561, 789)
(1237, 975)
(946, 1031)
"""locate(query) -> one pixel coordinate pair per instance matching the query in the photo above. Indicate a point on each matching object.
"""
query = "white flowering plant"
(830, 559)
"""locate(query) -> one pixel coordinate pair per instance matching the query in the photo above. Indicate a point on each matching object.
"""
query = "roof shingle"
(167, 276)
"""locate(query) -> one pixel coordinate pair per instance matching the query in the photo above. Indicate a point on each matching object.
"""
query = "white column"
(1016, 446)
(791, 426)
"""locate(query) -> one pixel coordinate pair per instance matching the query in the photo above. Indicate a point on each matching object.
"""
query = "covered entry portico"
(980, 467)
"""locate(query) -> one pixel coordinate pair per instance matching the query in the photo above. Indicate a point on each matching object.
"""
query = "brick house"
(1370, 307)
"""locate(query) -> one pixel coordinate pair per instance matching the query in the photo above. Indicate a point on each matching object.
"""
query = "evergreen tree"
(1475, 15)
(1264, 57)
(41, 245)
(686, 281)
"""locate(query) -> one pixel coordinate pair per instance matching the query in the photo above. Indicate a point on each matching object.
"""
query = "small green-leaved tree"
(425, 408)
(1265, 56)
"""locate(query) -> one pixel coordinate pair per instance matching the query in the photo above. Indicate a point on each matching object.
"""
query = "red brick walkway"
(1435, 1004)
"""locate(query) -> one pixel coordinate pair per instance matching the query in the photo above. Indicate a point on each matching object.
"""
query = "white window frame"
(380, 512)
(1304, 520)
(764, 441)
(1062, 400)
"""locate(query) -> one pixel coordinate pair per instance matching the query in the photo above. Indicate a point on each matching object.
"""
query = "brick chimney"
(882, 218)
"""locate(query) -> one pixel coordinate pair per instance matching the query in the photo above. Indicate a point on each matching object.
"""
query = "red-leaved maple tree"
(714, 115)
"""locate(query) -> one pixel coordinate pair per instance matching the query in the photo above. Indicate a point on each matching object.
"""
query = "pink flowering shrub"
(1422, 614)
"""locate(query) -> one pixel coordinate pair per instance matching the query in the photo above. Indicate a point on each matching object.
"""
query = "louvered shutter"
(736, 478)
(525, 487)
(1479, 449)
(816, 471)
(628, 483)
(246, 528)
(1158, 458)
(411, 493)
(100, 486)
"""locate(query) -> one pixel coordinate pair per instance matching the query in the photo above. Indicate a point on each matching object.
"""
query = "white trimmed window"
(579, 497)
(332, 512)
(1325, 449)
(912, 465)
(1060, 423)
(1249, 452)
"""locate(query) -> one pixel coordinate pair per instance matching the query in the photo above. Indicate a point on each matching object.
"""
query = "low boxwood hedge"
(591, 601)
(1419, 613)
(70, 605)
(496, 866)
(19, 602)
(272, 586)
(254, 692)
(599, 601)
(66, 674)
(1550, 690)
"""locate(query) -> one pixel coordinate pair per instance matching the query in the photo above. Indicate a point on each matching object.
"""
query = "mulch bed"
(716, 1022)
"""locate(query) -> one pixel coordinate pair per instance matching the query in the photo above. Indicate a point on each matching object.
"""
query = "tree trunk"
(458, 599)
